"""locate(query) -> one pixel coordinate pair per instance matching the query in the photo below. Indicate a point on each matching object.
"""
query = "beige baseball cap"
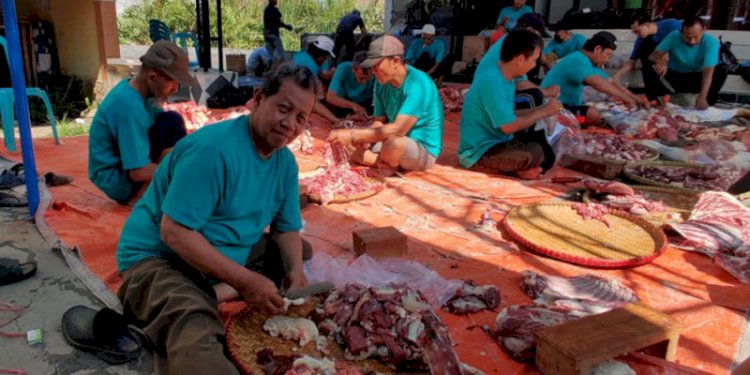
(385, 46)
(170, 59)
(428, 29)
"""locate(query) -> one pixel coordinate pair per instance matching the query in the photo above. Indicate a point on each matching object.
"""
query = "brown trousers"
(509, 157)
(176, 308)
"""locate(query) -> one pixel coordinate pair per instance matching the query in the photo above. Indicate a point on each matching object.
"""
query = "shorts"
(414, 158)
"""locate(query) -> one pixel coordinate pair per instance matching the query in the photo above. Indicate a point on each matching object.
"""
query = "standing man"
(563, 44)
(352, 86)
(509, 15)
(131, 133)
(271, 25)
(410, 133)
(428, 54)
(580, 68)
(203, 218)
(344, 37)
(650, 34)
(688, 60)
(494, 136)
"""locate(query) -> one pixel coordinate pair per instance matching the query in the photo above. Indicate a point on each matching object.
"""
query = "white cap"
(324, 43)
(428, 29)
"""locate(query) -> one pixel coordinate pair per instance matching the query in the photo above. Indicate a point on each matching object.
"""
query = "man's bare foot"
(529, 174)
(225, 292)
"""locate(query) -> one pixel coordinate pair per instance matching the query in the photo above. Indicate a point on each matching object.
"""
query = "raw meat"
(296, 364)
(296, 329)
(610, 187)
(307, 365)
(195, 116)
(714, 152)
(608, 147)
(545, 290)
(275, 364)
(303, 143)
(592, 211)
(355, 121)
(453, 98)
(716, 178)
(515, 326)
(636, 204)
(611, 367)
(471, 298)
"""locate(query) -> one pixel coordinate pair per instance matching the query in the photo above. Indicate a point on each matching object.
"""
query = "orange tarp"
(437, 209)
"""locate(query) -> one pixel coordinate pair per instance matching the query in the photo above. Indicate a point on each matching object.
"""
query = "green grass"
(68, 128)
(243, 19)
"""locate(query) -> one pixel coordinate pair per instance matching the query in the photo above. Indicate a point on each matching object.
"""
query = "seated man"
(352, 86)
(563, 44)
(428, 54)
(316, 58)
(490, 128)
(650, 34)
(204, 217)
(510, 15)
(688, 60)
(408, 101)
(258, 64)
(130, 133)
(579, 68)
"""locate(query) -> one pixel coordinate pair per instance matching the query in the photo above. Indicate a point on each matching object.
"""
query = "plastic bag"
(560, 132)
(372, 273)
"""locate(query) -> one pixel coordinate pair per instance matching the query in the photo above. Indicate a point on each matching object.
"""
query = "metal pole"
(220, 35)
(22, 103)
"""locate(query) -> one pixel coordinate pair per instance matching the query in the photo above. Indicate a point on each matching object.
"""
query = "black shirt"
(349, 22)
(272, 20)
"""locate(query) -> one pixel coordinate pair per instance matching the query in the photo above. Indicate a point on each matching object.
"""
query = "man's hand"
(358, 109)
(617, 77)
(376, 124)
(660, 69)
(343, 137)
(552, 108)
(551, 92)
(295, 279)
(701, 102)
(257, 288)
(630, 103)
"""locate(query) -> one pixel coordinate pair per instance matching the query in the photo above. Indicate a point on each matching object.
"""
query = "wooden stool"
(574, 347)
(380, 242)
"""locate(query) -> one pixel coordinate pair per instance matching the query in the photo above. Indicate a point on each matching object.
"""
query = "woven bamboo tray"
(245, 338)
(678, 200)
(628, 172)
(338, 198)
(556, 230)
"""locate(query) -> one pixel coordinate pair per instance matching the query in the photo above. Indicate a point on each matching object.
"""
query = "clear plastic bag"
(560, 132)
(369, 272)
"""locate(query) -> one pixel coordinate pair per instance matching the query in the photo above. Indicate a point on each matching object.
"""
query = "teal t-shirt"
(513, 15)
(417, 97)
(215, 182)
(436, 51)
(344, 83)
(686, 59)
(489, 104)
(569, 73)
(492, 57)
(118, 140)
(562, 49)
(303, 58)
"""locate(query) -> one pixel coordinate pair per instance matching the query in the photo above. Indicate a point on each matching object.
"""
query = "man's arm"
(660, 60)
(143, 174)
(609, 88)
(326, 113)
(624, 69)
(528, 119)
(400, 127)
(290, 245)
(708, 77)
(334, 99)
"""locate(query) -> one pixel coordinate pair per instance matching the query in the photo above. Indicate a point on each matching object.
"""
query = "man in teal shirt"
(352, 86)
(494, 137)
(130, 133)
(185, 247)
(509, 15)
(428, 54)
(409, 133)
(579, 68)
(563, 44)
(316, 59)
(688, 60)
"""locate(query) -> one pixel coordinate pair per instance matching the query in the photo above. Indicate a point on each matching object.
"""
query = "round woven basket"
(338, 198)
(558, 231)
(245, 338)
(677, 200)
(628, 171)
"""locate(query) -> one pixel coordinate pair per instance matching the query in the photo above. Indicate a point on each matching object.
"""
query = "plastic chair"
(7, 109)
(181, 40)
(158, 30)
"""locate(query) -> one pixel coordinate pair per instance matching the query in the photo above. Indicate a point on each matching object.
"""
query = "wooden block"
(380, 242)
(303, 196)
(474, 48)
(574, 347)
(596, 168)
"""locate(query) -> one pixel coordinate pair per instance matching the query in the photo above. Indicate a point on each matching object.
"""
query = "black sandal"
(104, 333)
(13, 271)
(12, 200)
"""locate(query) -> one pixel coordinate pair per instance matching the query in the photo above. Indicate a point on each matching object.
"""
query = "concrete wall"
(76, 34)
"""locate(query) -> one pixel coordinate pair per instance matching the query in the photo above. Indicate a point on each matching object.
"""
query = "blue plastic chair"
(158, 30)
(7, 109)
(181, 40)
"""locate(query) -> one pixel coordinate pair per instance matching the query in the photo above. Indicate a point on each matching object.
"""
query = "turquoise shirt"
(214, 182)
(513, 15)
(562, 49)
(118, 140)
(488, 106)
(344, 83)
(492, 58)
(569, 73)
(436, 51)
(686, 59)
(417, 97)
(303, 58)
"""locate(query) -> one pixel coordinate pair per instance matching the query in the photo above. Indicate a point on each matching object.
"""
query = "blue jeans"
(274, 47)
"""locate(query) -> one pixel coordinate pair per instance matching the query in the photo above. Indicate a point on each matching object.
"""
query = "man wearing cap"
(197, 238)
(495, 138)
(410, 133)
(579, 68)
(271, 25)
(352, 86)
(563, 44)
(316, 58)
(650, 34)
(344, 38)
(428, 54)
(688, 59)
(131, 133)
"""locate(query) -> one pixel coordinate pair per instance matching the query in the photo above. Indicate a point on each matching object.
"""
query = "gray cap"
(170, 59)
(385, 46)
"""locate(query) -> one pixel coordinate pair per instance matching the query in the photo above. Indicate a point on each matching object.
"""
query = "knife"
(310, 290)
(666, 84)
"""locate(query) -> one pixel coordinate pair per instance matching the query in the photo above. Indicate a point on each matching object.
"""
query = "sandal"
(8, 179)
(13, 271)
(11, 200)
(52, 179)
(104, 333)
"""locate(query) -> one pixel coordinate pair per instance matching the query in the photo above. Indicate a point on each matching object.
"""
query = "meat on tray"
(198, 116)
(354, 121)
(470, 298)
(273, 364)
(303, 143)
(610, 187)
(608, 147)
(592, 211)
(636, 204)
(452, 98)
(393, 324)
(708, 178)
(548, 289)
(338, 178)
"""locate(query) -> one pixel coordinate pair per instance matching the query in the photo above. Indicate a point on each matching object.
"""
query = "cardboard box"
(380, 242)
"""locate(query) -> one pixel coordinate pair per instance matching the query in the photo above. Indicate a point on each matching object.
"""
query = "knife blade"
(666, 84)
(310, 290)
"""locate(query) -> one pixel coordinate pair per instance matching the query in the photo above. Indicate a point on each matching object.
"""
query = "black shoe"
(103, 333)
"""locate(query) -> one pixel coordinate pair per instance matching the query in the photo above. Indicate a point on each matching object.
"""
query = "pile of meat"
(609, 147)
(198, 116)
(470, 298)
(592, 211)
(392, 323)
(719, 227)
(556, 300)
(622, 197)
(453, 99)
(275, 364)
(338, 178)
(355, 121)
(303, 143)
(703, 179)
(713, 152)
